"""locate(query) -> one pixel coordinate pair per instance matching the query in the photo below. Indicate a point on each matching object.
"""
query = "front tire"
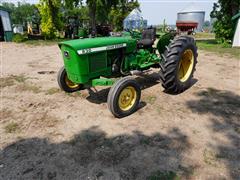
(65, 83)
(124, 96)
(178, 64)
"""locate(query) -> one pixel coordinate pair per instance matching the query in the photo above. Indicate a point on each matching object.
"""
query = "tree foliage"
(92, 5)
(23, 13)
(97, 6)
(223, 11)
(50, 17)
(120, 12)
(73, 8)
(56, 13)
(110, 12)
(104, 8)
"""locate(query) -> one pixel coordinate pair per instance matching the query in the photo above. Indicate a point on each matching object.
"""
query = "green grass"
(52, 91)
(5, 113)
(213, 46)
(10, 80)
(29, 87)
(237, 129)
(210, 157)
(167, 175)
(145, 140)
(150, 99)
(7, 81)
(43, 42)
(19, 38)
(11, 127)
(77, 94)
(204, 35)
(20, 78)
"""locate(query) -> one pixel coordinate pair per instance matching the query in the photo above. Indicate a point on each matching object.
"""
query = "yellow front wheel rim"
(127, 98)
(70, 84)
(186, 65)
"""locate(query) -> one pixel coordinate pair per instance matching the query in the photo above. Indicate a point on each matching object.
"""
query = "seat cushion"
(145, 42)
(149, 34)
(148, 38)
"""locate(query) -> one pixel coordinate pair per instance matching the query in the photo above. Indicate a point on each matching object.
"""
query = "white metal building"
(236, 39)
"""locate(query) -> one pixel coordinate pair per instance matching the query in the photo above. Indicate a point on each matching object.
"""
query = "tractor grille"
(97, 61)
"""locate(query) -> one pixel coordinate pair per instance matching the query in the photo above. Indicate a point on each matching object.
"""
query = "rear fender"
(164, 41)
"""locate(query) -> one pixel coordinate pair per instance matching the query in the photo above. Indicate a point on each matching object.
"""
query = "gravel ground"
(48, 134)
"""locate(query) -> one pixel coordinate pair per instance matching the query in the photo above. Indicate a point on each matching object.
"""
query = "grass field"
(203, 35)
(213, 46)
(43, 42)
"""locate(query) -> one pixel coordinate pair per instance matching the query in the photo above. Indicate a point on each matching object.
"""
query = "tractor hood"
(91, 45)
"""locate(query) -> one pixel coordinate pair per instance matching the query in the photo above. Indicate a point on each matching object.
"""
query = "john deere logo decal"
(104, 48)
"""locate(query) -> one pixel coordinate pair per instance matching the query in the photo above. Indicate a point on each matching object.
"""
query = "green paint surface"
(8, 36)
(87, 43)
(87, 60)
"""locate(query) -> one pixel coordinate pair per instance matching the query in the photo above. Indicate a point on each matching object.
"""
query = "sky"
(155, 11)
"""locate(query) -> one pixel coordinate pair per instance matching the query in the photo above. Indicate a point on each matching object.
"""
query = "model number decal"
(86, 51)
(116, 46)
(104, 48)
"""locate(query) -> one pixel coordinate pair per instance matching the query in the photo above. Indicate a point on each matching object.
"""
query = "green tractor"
(109, 61)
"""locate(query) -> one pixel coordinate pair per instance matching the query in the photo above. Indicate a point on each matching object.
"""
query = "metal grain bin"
(193, 14)
(134, 21)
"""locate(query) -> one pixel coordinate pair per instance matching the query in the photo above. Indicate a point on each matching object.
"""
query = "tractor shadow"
(192, 83)
(224, 108)
(145, 81)
(98, 97)
(92, 154)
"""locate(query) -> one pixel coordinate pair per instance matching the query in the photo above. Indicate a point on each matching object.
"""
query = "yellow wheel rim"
(70, 84)
(185, 65)
(127, 98)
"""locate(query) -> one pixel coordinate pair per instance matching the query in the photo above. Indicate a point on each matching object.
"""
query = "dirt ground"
(48, 134)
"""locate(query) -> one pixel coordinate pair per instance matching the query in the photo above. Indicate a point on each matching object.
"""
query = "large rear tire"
(178, 64)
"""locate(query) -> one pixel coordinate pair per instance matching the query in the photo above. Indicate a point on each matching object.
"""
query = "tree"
(207, 26)
(12, 8)
(164, 26)
(223, 11)
(71, 4)
(74, 16)
(120, 12)
(23, 13)
(104, 8)
(50, 17)
(92, 5)
(72, 8)
(100, 10)
(206, 23)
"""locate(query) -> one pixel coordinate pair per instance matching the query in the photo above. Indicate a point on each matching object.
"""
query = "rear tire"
(124, 96)
(178, 64)
(66, 84)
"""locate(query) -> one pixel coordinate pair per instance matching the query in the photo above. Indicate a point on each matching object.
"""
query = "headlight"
(66, 54)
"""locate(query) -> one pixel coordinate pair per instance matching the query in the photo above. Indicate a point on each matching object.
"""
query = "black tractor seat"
(148, 38)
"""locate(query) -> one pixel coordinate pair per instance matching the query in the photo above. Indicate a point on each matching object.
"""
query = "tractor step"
(103, 82)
